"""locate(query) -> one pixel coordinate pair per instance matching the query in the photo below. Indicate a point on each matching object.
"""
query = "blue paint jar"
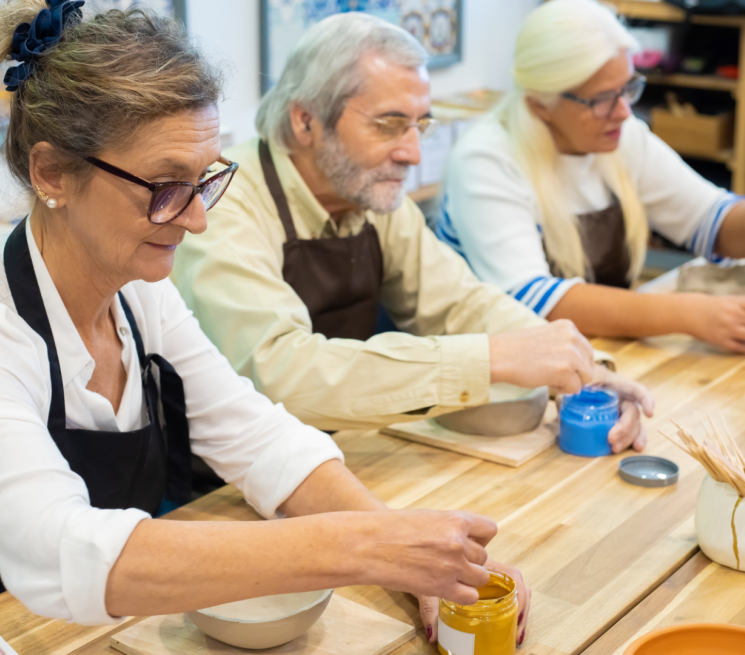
(586, 418)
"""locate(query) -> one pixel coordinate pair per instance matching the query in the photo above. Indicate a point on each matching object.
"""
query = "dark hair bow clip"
(31, 40)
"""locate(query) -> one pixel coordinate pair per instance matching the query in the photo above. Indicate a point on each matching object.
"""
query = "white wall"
(232, 35)
(489, 31)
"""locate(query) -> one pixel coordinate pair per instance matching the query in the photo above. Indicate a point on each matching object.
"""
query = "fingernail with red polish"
(429, 632)
(520, 618)
(522, 637)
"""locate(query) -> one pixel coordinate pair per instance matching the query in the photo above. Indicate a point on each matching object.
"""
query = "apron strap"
(135, 330)
(275, 188)
(173, 401)
(24, 287)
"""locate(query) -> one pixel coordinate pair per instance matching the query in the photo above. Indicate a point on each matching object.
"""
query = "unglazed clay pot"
(694, 639)
(263, 622)
(721, 527)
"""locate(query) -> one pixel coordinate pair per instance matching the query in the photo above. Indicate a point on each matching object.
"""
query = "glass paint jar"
(586, 418)
(488, 627)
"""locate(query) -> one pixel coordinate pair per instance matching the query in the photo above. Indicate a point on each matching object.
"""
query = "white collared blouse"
(56, 550)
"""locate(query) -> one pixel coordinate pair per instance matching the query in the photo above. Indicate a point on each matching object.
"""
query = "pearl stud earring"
(50, 202)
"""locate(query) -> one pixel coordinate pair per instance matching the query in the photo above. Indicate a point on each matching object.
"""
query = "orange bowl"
(694, 639)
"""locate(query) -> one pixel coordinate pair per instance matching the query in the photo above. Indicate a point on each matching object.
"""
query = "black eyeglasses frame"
(637, 79)
(156, 187)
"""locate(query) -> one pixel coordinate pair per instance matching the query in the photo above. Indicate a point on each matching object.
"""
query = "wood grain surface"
(701, 591)
(592, 546)
(345, 628)
(512, 451)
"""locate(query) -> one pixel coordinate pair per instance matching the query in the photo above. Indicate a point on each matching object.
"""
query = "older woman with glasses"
(107, 383)
(552, 196)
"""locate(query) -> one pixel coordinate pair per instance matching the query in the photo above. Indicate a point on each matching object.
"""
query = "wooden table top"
(607, 560)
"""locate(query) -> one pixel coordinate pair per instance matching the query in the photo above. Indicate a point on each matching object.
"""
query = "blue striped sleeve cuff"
(445, 230)
(705, 236)
(542, 293)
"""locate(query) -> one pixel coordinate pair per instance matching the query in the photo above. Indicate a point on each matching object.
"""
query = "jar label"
(454, 641)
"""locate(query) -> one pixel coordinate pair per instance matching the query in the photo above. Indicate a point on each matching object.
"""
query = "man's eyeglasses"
(397, 126)
(170, 199)
(602, 105)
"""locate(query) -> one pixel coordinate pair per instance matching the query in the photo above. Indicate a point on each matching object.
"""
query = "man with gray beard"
(315, 235)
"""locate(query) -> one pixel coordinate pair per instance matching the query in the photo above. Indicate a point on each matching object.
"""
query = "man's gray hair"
(321, 74)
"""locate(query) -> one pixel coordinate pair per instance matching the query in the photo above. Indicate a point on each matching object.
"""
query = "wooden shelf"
(733, 158)
(648, 10)
(423, 193)
(710, 82)
(667, 13)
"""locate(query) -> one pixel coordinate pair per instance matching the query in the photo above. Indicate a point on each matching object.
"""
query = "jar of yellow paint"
(488, 627)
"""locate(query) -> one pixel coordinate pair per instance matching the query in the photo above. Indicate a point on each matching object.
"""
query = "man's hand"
(634, 398)
(554, 355)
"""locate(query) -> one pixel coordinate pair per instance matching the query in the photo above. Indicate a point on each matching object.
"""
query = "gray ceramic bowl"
(263, 622)
(500, 418)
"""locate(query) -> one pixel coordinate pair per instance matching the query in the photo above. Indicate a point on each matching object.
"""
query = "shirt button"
(465, 396)
(123, 331)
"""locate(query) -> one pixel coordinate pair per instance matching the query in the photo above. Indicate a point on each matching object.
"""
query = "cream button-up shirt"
(231, 277)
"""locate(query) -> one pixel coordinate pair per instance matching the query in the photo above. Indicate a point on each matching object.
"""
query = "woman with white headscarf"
(552, 195)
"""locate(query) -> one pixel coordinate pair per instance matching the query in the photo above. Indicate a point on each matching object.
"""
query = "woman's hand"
(423, 552)
(429, 605)
(719, 320)
(634, 398)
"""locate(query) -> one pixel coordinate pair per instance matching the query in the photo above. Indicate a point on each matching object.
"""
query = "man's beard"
(359, 185)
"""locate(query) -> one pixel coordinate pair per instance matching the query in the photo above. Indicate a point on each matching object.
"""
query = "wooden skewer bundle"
(717, 452)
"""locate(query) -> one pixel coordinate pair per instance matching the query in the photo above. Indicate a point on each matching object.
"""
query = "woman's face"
(108, 216)
(574, 127)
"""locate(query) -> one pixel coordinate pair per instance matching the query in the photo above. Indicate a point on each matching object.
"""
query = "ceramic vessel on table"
(510, 410)
(693, 639)
(720, 524)
(705, 277)
(263, 622)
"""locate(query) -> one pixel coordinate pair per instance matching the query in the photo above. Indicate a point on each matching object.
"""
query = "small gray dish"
(648, 471)
(501, 418)
(243, 623)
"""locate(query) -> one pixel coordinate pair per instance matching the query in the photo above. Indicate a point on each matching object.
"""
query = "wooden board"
(345, 628)
(510, 451)
(699, 592)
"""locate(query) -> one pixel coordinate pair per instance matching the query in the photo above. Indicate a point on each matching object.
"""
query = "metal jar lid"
(648, 471)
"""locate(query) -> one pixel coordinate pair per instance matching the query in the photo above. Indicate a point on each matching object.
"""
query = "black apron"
(603, 235)
(139, 469)
(339, 280)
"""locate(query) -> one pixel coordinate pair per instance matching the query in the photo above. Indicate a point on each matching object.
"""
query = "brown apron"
(603, 235)
(339, 280)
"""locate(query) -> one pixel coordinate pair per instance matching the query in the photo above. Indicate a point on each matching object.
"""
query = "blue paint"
(586, 419)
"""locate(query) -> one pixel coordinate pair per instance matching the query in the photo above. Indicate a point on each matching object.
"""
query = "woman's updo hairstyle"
(108, 75)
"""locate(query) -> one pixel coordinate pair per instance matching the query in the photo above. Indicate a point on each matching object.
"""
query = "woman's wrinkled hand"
(425, 552)
(719, 320)
(634, 398)
(429, 605)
